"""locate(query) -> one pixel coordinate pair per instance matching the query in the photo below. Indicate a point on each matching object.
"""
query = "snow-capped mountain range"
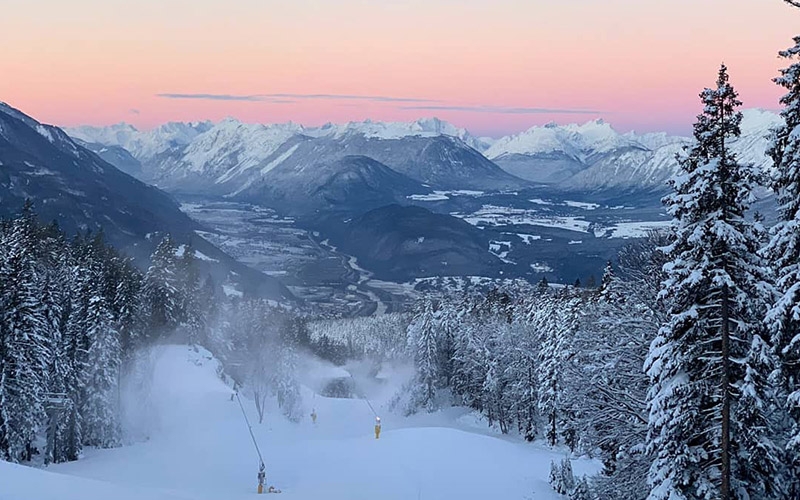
(230, 157)
(594, 155)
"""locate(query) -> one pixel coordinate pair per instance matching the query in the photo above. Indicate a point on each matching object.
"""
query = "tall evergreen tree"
(99, 409)
(192, 319)
(783, 252)
(23, 334)
(161, 299)
(558, 324)
(705, 378)
(423, 336)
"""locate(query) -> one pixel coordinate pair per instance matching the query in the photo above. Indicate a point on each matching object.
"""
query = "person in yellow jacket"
(377, 427)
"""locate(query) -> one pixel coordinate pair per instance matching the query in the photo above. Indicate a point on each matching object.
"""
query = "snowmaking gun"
(262, 473)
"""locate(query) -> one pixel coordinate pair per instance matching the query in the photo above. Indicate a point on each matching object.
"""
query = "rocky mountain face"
(78, 189)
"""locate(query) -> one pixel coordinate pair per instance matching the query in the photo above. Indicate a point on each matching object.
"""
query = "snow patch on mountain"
(143, 145)
(424, 127)
(594, 155)
(576, 141)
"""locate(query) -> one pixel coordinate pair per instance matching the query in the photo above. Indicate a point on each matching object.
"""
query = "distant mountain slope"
(442, 162)
(406, 242)
(594, 156)
(228, 157)
(115, 155)
(75, 187)
(351, 182)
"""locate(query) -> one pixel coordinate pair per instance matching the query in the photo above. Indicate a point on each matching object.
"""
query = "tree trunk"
(553, 418)
(725, 488)
(725, 439)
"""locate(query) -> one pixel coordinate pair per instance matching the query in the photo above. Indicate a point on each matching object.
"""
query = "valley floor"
(199, 448)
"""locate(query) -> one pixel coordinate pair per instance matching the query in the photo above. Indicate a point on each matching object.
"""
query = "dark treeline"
(77, 317)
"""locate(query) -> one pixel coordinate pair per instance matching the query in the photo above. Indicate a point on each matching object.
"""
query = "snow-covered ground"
(199, 448)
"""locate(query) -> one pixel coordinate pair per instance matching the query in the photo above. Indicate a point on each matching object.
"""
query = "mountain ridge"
(76, 188)
(228, 157)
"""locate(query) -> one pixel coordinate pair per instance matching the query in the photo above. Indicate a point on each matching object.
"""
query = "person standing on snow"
(314, 417)
(377, 427)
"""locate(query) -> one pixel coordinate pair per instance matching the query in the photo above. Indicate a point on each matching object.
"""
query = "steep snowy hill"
(75, 187)
(594, 156)
(199, 448)
(71, 184)
(115, 155)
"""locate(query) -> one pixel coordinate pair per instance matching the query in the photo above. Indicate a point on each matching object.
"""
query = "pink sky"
(483, 64)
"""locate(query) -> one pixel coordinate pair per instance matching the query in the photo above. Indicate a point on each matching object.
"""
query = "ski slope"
(199, 448)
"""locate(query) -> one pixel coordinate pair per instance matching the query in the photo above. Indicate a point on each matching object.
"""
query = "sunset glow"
(493, 67)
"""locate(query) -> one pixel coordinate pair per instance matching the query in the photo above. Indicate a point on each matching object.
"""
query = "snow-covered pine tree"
(448, 320)
(287, 388)
(607, 382)
(423, 335)
(556, 478)
(23, 342)
(581, 490)
(783, 251)
(161, 298)
(716, 286)
(76, 349)
(127, 303)
(57, 369)
(193, 320)
(100, 403)
(468, 363)
(558, 322)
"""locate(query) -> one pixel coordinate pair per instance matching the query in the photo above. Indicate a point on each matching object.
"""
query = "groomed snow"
(199, 448)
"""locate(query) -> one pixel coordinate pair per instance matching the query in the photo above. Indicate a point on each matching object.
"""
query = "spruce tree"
(423, 336)
(24, 342)
(192, 320)
(161, 299)
(557, 323)
(783, 251)
(99, 410)
(703, 368)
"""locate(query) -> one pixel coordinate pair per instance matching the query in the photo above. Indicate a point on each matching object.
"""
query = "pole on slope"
(377, 418)
(262, 474)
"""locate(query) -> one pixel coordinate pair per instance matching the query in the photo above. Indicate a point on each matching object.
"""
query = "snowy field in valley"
(199, 448)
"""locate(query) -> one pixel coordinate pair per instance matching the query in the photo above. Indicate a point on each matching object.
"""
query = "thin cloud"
(352, 97)
(214, 97)
(290, 98)
(506, 110)
(414, 103)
